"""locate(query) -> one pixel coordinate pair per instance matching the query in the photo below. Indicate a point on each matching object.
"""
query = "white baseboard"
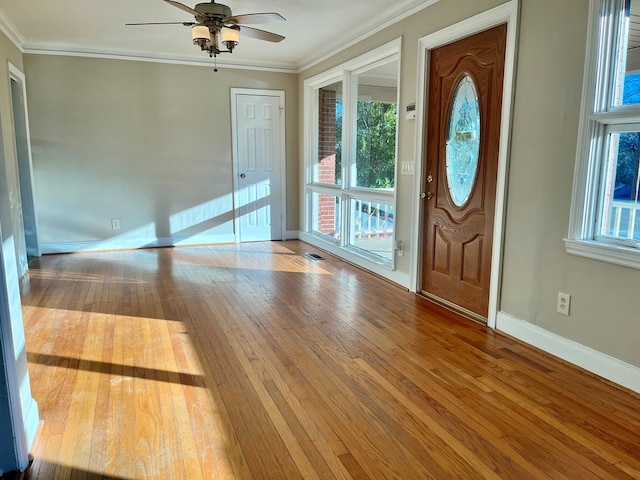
(118, 243)
(384, 271)
(292, 235)
(601, 364)
(31, 422)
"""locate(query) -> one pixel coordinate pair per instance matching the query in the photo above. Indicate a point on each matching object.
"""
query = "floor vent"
(314, 256)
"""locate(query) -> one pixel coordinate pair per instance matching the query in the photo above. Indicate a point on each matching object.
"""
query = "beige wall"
(604, 306)
(549, 70)
(10, 204)
(147, 143)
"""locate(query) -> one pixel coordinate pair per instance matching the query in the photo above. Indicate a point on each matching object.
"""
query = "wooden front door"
(463, 136)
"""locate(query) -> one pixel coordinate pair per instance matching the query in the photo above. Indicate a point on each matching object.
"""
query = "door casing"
(503, 14)
(25, 164)
(235, 92)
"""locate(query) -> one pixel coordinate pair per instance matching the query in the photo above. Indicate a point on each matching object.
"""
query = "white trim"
(9, 29)
(393, 15)
(9, 305)
(280, 95)
(135, 243)
(71, 51)
(381, 269)
(506, 13)
(17, 75)
(31, 421)
(616, 254)
(583, 205)
(292, 235)
(601, 364)
(383, 51)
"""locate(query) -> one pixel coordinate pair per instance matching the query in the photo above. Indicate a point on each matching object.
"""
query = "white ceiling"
(313, 30)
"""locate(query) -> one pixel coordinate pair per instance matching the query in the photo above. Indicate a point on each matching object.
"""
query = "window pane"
(376, 118)
(628, 92)
(620, 217)
(329, 135)
(325, 212)
(372, 227)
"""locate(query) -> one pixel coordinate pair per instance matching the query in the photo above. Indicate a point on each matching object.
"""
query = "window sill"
(618, 255)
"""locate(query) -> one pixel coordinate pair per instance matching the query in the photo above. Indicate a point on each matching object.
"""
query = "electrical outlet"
(564, 303)
(115, 224)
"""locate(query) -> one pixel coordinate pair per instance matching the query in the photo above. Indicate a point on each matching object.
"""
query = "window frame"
(347, 73)
(605, 45)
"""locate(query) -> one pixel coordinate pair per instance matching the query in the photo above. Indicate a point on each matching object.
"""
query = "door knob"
(427, 195)
(242, 175)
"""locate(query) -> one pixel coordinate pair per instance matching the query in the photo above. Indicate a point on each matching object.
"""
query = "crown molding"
(395, 14)
(74, 51)
(9, 29)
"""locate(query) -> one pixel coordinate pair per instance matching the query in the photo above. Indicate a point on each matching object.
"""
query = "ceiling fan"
(215, 25)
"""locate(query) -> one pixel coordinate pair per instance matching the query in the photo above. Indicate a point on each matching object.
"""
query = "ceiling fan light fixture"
(229, 37)
(216, 27)
(201, 35)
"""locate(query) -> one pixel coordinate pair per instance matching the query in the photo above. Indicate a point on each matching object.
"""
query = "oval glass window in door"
(463, 141)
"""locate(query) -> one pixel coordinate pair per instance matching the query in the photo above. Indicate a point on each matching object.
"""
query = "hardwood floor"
(257, 362)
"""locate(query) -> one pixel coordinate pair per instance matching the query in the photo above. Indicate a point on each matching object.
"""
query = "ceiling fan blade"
(183, 7)
(253, 18)
(261, 34)
(186, 24)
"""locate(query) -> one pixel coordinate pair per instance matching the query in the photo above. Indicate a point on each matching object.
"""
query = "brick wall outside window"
(327, 160)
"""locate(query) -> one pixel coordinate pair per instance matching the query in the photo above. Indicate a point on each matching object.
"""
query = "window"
(605, 218)
(351, 164)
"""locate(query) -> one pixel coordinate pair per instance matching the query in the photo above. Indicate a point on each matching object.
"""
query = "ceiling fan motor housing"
(213, 10)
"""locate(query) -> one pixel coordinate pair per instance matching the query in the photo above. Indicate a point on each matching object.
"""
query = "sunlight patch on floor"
(127, 393)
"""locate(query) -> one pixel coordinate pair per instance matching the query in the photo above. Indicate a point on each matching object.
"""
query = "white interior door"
(258, 136)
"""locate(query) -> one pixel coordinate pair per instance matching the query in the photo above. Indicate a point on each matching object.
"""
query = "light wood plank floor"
(256, 362)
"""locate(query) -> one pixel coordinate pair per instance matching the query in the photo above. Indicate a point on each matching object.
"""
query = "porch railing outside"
(372, 227)
(624, 220)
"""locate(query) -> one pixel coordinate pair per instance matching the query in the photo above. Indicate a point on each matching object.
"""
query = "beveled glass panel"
(463, 142)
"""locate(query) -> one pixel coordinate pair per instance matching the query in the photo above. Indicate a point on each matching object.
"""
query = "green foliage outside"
(375, 144)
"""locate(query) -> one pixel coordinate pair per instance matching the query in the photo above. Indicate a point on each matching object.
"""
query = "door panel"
(258, 168)
(465, 100)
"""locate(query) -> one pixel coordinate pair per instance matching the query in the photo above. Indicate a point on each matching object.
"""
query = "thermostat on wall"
(411, 112)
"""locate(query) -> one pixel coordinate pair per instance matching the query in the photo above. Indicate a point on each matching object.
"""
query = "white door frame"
(9, 373)
(506, 13)
(17, 75)
(282, 159)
